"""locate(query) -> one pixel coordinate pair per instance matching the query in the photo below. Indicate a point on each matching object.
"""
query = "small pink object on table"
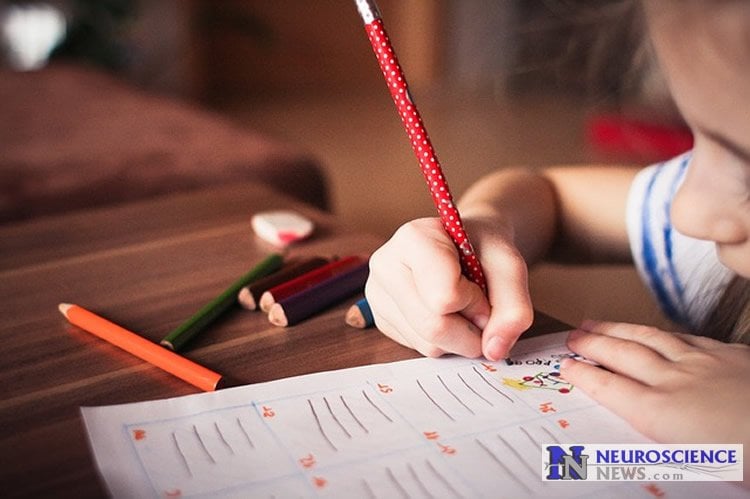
(281, 228)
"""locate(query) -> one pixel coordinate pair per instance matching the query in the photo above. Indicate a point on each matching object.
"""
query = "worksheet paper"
(448, 427)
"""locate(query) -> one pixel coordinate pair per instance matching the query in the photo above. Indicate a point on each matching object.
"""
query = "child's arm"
(416, 290)
(573, 213)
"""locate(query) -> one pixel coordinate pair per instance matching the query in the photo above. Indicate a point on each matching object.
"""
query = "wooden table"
(147, 266)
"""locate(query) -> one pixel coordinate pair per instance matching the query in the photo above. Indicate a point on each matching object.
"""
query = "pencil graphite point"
(266, 301)
(276, 316)
(63, 308)
(360, 315)
(354, 317)
(246, 299)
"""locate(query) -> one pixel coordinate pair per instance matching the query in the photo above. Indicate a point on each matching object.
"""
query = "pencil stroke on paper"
(489, 383)
(551, 435)
(453, 394)
(418, 480)
(222, 438)
(245, 433)
(203, 445)
(396, 483)
(336, 419)
(474, 391)
(367, 397)
(351, 413)
(320, 425)
(502, 465)
(368, 489)
(441, 478)
(518, 456)
(183, 459)
(429, 397)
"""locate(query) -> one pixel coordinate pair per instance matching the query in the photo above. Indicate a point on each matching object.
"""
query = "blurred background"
(499, 83)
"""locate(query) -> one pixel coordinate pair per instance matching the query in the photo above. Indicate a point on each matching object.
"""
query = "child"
(685, 223)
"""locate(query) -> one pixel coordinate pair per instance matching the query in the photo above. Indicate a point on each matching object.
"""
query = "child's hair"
(730, 319)
(595, 47)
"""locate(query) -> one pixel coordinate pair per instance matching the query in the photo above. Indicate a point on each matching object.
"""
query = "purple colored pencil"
(300, 306)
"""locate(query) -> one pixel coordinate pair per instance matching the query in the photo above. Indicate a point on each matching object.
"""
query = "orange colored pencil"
(154, 354)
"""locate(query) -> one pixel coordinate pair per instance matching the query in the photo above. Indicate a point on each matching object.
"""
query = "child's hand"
(674, 388)
(420, 299)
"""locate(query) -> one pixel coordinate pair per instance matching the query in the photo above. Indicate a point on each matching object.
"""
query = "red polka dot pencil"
(419, 139)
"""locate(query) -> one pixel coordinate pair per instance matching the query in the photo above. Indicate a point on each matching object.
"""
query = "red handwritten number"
(139, 434)
(384, 388)
(431, 435)
(268, 412)
(547, 407)
(563, 423)
(654, 490)
(320, 482)
(488, 367)
(173, 493)
(447, 449)
(308, 461)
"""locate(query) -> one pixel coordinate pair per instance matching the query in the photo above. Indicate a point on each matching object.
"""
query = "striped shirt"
(683, 273)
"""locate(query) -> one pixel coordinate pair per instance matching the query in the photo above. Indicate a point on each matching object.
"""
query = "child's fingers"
(386, 327)
(622, 395)
(405, 336)
(702, 342)
(387, 317)
(449, 332)
(436, 270)
(429, 333)
(630, 358)
(512, 311)
(422, 250)
(667, 344)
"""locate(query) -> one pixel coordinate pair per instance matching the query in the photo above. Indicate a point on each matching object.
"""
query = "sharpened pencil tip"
(266, 300)
(246, 299)
(354, 317)
(63, 308)
(277, 316)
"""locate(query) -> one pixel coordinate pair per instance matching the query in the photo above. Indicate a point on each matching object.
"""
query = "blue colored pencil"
(359, 315)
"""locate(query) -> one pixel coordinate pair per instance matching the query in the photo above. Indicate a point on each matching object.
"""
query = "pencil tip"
(266, 300)
(63, 308)
(246, 299)
(354, 317)
(276, 316)
(167, 344)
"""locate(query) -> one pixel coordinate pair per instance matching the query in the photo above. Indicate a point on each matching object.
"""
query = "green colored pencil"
(212, 310)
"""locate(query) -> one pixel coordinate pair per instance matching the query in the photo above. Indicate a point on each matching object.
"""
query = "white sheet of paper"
(448, 427)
